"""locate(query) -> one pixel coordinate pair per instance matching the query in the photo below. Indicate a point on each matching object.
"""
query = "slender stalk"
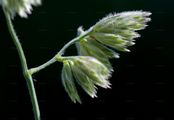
(37, 69)
(60, 53)
(73, 41)
(27, 76)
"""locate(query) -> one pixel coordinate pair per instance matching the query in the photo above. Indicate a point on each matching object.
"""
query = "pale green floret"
(111, 40)
(94, 69)
(107, 38)
(84, 81)
(88, 72)
(68, 82)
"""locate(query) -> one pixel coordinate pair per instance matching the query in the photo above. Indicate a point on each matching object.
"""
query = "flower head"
(88, 73)
(21, 7)
(116, 31)
(133, 20)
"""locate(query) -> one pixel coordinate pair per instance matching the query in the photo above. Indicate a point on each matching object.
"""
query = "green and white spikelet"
(20, 7)
(112, 34)
(88, 72)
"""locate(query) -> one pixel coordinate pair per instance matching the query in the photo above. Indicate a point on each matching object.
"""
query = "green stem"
(74, 40)
(37, 69)
(27, 76)
(57, 57)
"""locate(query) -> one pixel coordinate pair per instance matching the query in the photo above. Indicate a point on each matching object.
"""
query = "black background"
(141, 84)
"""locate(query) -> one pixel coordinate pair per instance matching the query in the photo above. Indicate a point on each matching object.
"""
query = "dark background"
(142, 81)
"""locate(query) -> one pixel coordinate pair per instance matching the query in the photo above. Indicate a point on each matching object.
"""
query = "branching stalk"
(27, 76)
(58, 56)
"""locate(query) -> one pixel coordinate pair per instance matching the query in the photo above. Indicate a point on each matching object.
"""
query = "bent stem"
(27, 76)
(58, 56)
